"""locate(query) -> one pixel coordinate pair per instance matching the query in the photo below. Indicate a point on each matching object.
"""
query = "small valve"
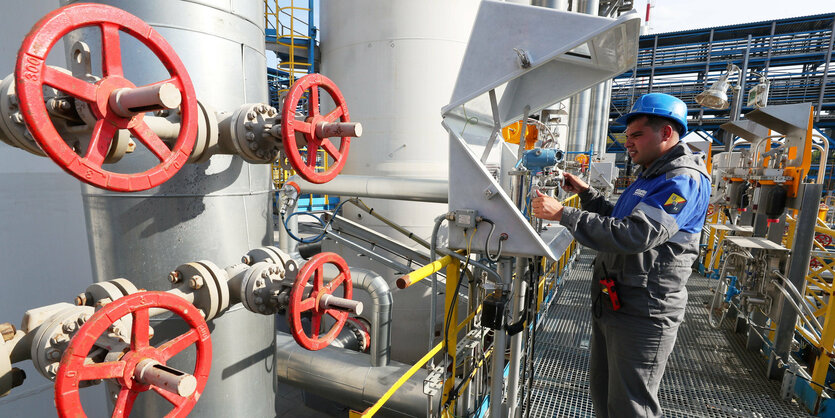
(290, 192)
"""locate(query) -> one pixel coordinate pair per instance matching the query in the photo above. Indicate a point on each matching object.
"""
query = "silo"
(396, 63)
(212, 211)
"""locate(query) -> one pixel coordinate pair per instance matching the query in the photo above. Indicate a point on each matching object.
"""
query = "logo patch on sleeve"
(674, 204)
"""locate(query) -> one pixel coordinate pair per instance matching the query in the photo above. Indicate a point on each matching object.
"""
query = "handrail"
(370, 411)
(423, 272)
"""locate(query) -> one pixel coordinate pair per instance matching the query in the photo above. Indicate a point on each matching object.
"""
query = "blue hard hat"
(659, 104)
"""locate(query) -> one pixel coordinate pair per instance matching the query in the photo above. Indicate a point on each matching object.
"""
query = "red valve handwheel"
(31, 74)
(289, 126)
(315, 269)
(710, 210)
(73, 368)
(823, 239)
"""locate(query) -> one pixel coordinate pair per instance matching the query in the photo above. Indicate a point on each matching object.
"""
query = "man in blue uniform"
(646, 243)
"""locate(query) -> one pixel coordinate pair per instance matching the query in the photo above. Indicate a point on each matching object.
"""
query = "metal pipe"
(790, 300)
(414, 189)
(499, 343)
(361, 205)
(381, 302)
(789, 286)
(824, 157)
(152, 372)
(345, 376)
(798, 267)
(516, 340)
(338, 129)
(128, 102)
(433, 304)
(415, 276)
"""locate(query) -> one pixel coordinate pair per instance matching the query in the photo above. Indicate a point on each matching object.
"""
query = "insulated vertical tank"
(213, 211)
(396, 63)
(43, 241)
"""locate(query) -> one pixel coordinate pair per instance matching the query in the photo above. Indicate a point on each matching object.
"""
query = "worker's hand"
(546, 207)
(573, 184)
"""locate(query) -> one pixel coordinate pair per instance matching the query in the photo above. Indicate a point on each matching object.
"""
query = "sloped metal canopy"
(567, 53)
(531, 57)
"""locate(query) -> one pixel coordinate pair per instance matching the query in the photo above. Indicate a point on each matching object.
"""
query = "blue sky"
(675, 15)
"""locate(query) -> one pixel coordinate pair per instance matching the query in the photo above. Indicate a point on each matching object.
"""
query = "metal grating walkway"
(710, 373)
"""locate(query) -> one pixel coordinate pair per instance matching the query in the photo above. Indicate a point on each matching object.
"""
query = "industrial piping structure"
(195, 303)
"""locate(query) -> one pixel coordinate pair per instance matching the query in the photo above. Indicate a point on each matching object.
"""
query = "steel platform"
(710, 373)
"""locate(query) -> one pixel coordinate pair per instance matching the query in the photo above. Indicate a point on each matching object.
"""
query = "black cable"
(502, 238)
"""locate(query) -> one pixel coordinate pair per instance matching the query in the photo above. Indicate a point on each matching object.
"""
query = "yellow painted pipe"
(409, 373)
(423, 272)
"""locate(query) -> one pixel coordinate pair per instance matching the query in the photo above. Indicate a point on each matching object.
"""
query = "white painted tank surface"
(43, 242)
(396, 63)
(213, 211)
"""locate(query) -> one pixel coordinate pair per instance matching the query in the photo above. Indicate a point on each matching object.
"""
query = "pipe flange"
(198, 280)
(13, 130)
(219, 278)
(53, 336)
(207, 134)
(250, 131)
(274, 255)
(101, 293)
(360, 327)
(261, 286)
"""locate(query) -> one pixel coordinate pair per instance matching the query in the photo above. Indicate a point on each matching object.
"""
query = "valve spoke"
(173, 398)
(331, 287)
(180, 343)
(335, 314)
(334, 115)
(111, 50)
(107, 370)
(313, 101)
(319, 277)
(315, 324)
(302, 126)
(307, 304)
(331, 149)
(69, 84)
(312, 155)
(100, 141)
(145, 135)
(140, 329)
(124, 403)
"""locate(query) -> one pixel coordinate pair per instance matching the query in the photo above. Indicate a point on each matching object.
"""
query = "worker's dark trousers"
(628, 358)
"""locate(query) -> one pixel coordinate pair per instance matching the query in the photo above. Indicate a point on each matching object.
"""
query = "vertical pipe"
(311, 33)
(804, 235)
(499, 343)
(707, 72)
(825, 72)
(771, 47)
(517, 306)
(739, 94)
(578, 134)
(652, 64)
